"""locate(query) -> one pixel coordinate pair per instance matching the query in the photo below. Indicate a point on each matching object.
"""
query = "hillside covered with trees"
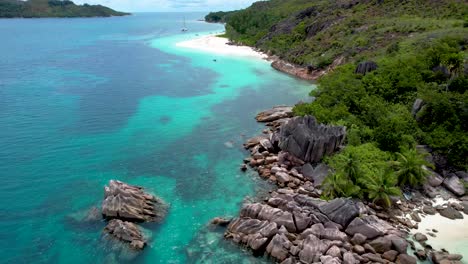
(402, 82)
(53, 8)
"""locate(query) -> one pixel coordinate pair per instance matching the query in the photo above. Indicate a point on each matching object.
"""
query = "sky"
(170, 5)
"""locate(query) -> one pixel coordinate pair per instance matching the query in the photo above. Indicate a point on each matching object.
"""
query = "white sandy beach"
(452, 234)
(217, 45)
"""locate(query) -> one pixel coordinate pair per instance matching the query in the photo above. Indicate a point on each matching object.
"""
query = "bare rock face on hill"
(125, 204)
(128, 202)
(308, 140)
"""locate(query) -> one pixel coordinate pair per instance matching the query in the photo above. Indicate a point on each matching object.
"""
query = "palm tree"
(409, 168)
(339, 185)
(351, 167)
(382, 186)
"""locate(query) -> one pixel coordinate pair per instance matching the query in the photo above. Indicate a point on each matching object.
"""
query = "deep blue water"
(83, 101)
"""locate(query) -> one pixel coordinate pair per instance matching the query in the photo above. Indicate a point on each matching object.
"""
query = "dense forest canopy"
(402, 82)
(53, 8)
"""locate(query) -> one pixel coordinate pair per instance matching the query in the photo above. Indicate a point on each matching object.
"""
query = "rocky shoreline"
(305, 73)
(293, 225)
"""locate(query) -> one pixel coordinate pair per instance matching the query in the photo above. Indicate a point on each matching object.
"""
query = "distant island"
(53, 8)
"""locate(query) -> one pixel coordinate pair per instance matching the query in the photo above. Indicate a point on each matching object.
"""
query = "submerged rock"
(127, 232)
(127, 202)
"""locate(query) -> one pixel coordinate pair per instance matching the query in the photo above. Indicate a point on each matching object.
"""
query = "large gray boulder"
(341, 211)
(454, 184)
(277, 112)
(126, 232)
(252, 232)
(370, 226)
(312, 249)
(279, 247)
(309, 141)
(293, 222)
(128, 202)
(434, 179)
(317, 175)
(321, 232)
(450, 213)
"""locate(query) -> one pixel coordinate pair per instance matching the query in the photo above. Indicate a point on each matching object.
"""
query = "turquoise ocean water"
(83, 101)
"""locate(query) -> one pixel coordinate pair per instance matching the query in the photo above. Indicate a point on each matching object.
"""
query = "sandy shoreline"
(452, 234)
(217, 45)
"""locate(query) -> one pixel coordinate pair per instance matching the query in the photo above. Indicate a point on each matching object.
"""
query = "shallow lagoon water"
(83, 101)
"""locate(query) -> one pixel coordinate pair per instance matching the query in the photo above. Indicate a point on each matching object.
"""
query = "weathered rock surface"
(309, 141)
(450, 213)
(279, 247)
(277, 112)
(341, 211)
(128, 202)
(252, 232)
(406, 259)
(317, 175)
(420, 237)
(127, 232)
(454, 184)
(434, 179)
(381, 244)
(370, 226)
(365, 67)
(312, 249)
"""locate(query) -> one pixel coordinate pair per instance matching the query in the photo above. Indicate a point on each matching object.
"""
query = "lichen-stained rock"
(277, 112)
(370, 226)
(253, 232)
(127, 202)
(309, 141)
(127, 232)
(341, 211)
(312, 249)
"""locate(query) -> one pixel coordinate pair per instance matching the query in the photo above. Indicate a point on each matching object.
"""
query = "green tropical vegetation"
(53, 8)
(218, 17)
(416, 95)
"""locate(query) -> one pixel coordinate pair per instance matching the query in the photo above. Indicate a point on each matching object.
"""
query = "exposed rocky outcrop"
(365, 67)
(308, 140)
(293, 225)
(296, 227)
(277, 112)
(128, 202)
(124, 204)
(306, 73)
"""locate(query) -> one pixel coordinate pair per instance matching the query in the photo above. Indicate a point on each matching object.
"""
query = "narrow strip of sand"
(217, 45)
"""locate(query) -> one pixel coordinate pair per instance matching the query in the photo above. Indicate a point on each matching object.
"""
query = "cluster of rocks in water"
(123, 206)
(293, 225)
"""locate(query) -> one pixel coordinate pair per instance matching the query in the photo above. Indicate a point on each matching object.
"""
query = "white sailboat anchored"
(184, 28)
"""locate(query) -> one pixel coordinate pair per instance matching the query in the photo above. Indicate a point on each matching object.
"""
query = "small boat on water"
(184, 28)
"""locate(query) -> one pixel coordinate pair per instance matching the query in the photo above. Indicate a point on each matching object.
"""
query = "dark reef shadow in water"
(231, 119)
(126, 73)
